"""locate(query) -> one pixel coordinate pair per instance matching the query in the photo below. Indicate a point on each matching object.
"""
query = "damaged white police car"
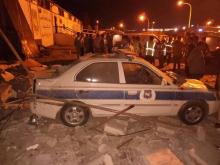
(117, 83)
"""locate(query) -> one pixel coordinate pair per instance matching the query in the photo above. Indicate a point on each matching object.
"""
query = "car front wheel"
(74, 115)
(193, 112)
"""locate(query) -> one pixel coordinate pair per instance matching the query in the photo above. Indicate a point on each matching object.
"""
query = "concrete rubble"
(116, 127)
(53, 143)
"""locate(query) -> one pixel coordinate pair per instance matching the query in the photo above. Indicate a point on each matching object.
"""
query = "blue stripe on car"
(104, 94)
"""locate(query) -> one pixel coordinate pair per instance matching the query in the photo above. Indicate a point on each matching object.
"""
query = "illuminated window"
(139, 74)
(101, 72)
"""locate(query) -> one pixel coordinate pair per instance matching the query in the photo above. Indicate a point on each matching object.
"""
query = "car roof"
(114, 57)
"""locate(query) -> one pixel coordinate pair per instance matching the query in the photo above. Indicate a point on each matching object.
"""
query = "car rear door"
(144, 89)
(98, 84)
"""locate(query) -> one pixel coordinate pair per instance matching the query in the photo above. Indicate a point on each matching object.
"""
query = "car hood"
(193, 84)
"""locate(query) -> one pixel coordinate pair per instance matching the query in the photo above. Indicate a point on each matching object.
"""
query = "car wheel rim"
(193, 114)
(74, 115)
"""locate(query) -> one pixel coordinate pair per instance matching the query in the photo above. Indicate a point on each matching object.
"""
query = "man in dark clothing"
(189, 47)
(90, 42)
(109, 43)
(86, 44)
(205, 47)
(196, 62)
(77, 45)
(177, 53)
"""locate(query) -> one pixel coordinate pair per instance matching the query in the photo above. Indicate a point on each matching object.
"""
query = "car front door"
(144, 89)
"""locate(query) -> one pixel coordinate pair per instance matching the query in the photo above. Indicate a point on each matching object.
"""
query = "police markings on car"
(119, 82)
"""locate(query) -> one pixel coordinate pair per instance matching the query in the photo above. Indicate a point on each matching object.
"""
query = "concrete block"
(196, 157)
(163, 128)
(101, 139)
(42, 159)
(201, 134)
(116, 127)
(108, 160)
(170, 120)
(6, 92)
(163, 157)
(51, 142)
(103, 148)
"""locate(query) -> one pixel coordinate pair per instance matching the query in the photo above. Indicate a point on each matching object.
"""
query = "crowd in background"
(189, 49)
(88, 43)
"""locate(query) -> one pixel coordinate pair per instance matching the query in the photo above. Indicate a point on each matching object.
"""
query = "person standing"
(77, 44)
(169, 50)
(102, 44)
(86, 43)
(82, 45)
(188, 48)
(205, 47)
(91, 43)
(109, 42)
(196, 61)
(217, 87)
(97, 43)
(150, 49)
(177, 53)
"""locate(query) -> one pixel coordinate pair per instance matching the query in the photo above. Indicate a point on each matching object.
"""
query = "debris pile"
(120, 141)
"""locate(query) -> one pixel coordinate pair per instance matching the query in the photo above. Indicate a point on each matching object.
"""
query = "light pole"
(153, 23)
(97, 25)
(209, 23)
(180, 3)
(142, 18)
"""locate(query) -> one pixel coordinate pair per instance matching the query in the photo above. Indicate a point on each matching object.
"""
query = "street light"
(180, 3)
(142, 18)
(121, 25)
(153, 23)
(97, 25)
(208, 23)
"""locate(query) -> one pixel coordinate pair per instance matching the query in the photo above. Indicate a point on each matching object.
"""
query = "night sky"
(165, 13)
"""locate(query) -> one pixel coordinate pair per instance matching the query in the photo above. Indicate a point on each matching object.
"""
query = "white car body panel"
(161, 100)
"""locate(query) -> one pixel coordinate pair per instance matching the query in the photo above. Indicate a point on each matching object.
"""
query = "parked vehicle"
(117, 83)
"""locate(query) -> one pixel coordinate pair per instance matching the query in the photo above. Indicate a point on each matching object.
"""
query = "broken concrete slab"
(6, 92)
(116, 127)
(108, 160)
(32, 63)
(100, 139)
(201, 134)
(51, 142)
(42, 159)
(7, 76)
(167, 129)
(196, 157)
(33, 147)
(163, 157)
(103, 148)
(170, 120)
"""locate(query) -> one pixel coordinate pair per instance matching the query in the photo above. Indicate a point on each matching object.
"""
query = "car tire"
(193, 112)
(74, 115)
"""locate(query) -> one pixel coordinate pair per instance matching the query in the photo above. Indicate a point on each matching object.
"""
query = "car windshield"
(176, 78)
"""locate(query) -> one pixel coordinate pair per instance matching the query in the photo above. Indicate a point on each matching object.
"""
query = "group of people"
(188, 50)
(88, 43)
(192, 51)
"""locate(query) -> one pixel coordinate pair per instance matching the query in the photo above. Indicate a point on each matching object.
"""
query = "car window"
(139, 74)
(101, 72)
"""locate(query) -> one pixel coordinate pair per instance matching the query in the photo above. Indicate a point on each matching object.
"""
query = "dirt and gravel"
(154, 141)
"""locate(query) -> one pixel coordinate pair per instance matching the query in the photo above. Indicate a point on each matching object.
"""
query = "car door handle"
(132, 92)
(83, 91)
